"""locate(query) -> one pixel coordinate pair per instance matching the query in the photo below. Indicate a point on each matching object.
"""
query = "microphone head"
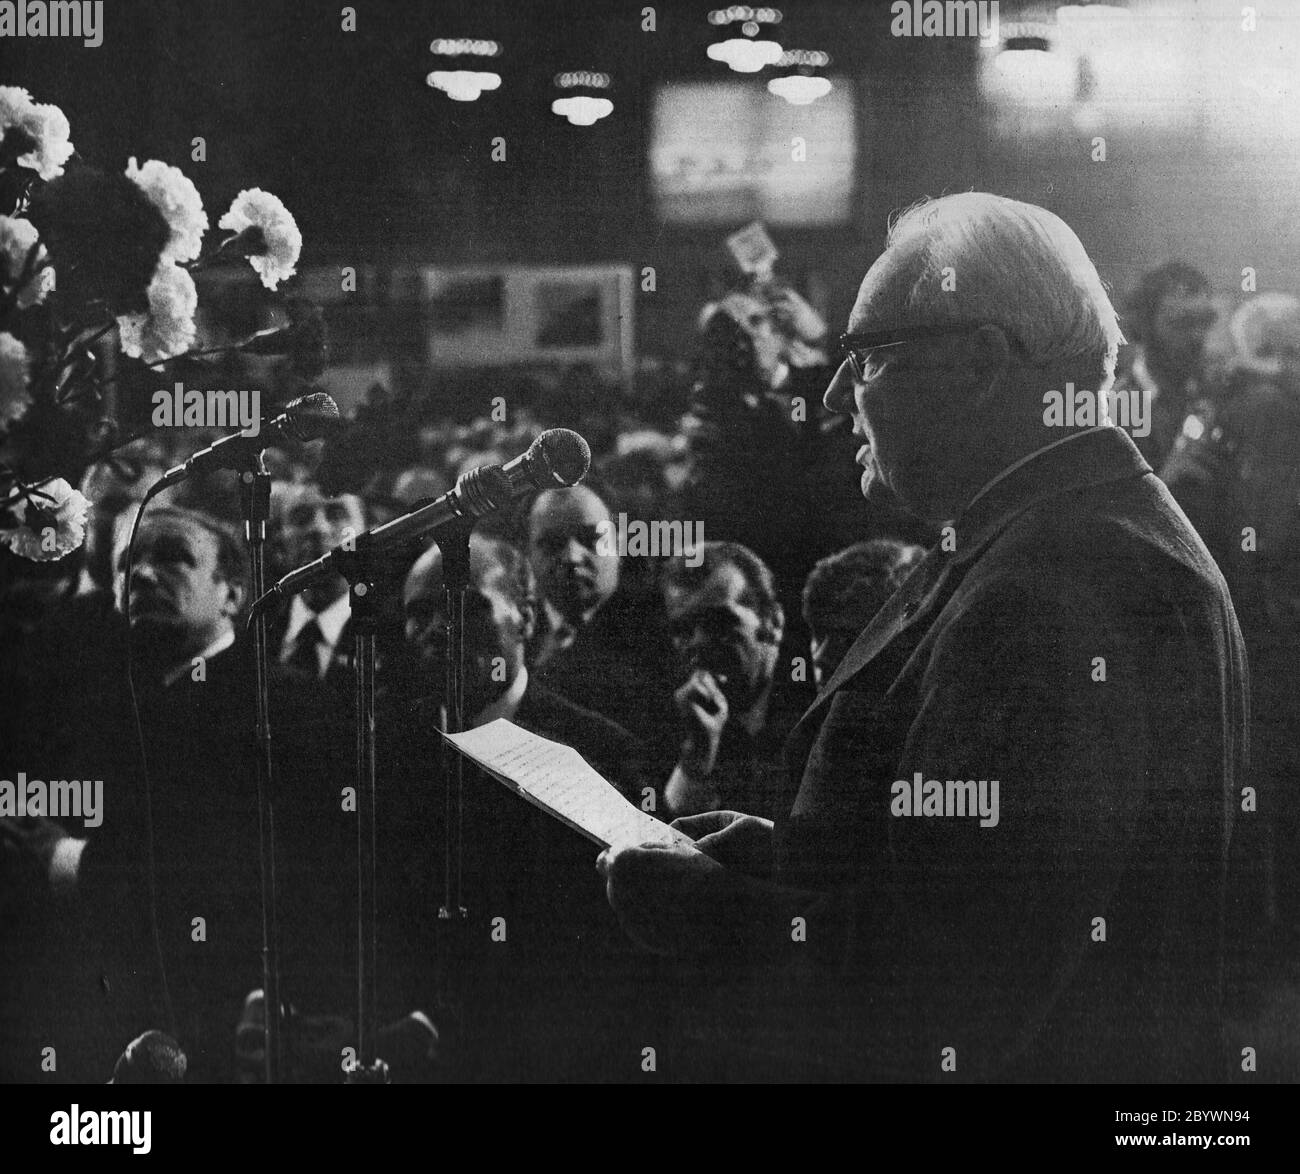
(311, 416)
(563, 456)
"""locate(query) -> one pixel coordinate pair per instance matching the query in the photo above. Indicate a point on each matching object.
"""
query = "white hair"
(1016, 266)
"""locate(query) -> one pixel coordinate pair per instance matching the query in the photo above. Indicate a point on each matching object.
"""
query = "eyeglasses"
(855, 348)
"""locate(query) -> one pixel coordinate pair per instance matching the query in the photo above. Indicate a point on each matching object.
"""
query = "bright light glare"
(745, 56)
(463, 85)
(581, 110)
(799, 90)
(1033, 77)
(1092, 14)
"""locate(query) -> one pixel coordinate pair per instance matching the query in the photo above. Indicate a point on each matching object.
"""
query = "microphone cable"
(150, 493)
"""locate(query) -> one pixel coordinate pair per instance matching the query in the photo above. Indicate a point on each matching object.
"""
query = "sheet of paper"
(558, 779)
(753, 250)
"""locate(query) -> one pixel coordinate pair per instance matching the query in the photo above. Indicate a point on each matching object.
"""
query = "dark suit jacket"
(558, 997)
(1116, 798)
(621, 666)
(205, 851)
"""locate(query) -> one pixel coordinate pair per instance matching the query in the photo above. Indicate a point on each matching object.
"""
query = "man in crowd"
(1233, 469)
(500, 614)
(1169, 316)
(1001, 850)
(540, 1006)
(577, 576)
(186, 812)
(311, 635)
(726, 625)
(595, 644)
(845, 590)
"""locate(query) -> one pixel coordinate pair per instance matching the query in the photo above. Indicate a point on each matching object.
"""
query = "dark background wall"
(380, 168)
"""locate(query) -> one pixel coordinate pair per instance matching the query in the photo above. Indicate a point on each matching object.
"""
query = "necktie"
(305, 657)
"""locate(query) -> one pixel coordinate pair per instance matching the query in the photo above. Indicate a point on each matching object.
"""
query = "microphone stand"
(255, 499)
(453, 541)
(365, 583)
(453, 916)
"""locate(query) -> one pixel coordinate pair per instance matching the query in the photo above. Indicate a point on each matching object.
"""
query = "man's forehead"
(307, 494)
(884, 290)
(569, 507)
(1180, 295)
(168, 529)
(485, 572)
(725, 586)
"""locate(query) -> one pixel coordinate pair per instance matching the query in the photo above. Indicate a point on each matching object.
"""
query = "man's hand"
(740, 843)
(671, 900)
(704, 712)
(798, 317)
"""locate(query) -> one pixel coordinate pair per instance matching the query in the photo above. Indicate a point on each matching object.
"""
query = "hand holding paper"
(557, 779)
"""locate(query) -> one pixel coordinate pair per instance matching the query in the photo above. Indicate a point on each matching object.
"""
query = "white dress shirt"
(331, 622)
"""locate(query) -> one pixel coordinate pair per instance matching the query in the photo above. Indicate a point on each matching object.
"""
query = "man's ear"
(528, 619)
(234, 603)
(991, 356)
(774, 629)
(991, 345)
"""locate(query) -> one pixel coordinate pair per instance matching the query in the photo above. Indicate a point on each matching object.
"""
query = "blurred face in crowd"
(179, 596)
(1181, 323)
(311, 524)
(564, 531)
(715, 628)
(497, 624)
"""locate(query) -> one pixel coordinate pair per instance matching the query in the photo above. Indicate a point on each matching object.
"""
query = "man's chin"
(156, 640)
(154, 623)
(577, 603)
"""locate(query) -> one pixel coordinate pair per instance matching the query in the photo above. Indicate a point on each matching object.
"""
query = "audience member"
(845, 590)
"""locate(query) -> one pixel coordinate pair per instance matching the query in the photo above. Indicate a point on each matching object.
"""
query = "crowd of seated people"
(677, 674)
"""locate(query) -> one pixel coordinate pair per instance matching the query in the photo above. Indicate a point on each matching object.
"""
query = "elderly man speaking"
(1007, 813)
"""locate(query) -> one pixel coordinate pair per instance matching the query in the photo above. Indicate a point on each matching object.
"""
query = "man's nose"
(573, 551)
(839, 395)
(699, 638)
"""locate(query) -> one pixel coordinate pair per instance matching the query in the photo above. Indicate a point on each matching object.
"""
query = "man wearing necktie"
(1003, 840)
(312, 636)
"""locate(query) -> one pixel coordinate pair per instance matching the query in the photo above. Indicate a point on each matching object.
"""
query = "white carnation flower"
(14, 100)
(173, 193)
(14, 367)
(16, 239)
(167, 329)
(54, 522)
(254, 208)
(47, 125)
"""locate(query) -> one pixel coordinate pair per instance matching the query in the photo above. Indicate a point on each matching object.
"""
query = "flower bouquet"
(86, 254)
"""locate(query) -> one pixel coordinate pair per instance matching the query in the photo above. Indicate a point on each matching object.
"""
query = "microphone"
(555, 460)
(309, 417)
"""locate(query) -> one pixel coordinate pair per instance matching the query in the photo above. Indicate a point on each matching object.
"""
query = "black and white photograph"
(605, 543)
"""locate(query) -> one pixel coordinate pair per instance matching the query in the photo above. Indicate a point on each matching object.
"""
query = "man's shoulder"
(549, 713)
(1117, 548)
